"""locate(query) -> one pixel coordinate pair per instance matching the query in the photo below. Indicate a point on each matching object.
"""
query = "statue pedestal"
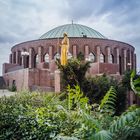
(57, 82)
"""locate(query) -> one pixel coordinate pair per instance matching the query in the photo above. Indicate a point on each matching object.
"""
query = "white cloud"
(23, 20)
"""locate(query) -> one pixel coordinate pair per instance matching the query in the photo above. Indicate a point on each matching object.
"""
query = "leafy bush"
(127, 126)
(42, 116)
(74, 72)
(36, 116)
(96, 87)
(135, 83)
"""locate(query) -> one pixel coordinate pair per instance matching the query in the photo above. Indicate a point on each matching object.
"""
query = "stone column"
(31, 60)
(108, 55)
(74, 51)
(10, 58)
(134, 61)
(23, 61)
(13, 57)
(57, 82)
(124, 64)
(39, 54)
(86, 52)
(50, 53)
(130, 60)
(117, 55)
(18, 57)
(98, 54)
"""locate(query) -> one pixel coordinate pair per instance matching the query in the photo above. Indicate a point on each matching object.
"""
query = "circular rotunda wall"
(82, 39)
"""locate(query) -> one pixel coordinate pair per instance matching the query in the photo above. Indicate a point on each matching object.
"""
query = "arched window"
(36, 58)
(14, 83)
(69, 55)
(46, 58)
(57, 56)
(111, 58)
(102, 58)
(91, 57)
(14, 57)
(27, 62)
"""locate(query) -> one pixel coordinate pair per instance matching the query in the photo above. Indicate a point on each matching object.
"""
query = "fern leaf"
(102, 135)
(108, 102)
(128, 121)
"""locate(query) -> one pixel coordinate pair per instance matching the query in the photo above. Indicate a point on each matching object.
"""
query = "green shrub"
(74, 72)
(94, 88)
(36, 116)
(13, 88)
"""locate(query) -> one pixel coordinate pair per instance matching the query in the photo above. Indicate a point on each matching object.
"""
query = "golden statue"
(64, 49)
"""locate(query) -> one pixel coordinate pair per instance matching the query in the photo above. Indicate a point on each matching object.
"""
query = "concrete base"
(57, 81)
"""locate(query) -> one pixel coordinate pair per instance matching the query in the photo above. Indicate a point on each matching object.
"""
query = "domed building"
(32, 63)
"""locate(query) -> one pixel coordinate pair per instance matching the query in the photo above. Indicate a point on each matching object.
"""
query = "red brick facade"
(32, 72)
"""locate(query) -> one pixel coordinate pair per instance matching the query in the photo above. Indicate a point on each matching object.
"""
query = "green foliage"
(135, 83)
(65, 138)
(102, 135)
(76, 99)
(108, 102)
(95, 89)
(46, 116)
(127, 126)
(13, 88)
(21, 117)
(80, 56)
(74, 72)
(126, 80)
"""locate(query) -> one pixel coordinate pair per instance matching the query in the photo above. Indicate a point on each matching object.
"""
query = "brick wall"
(26, 78)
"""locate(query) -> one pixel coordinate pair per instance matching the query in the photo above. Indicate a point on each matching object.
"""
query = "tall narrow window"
(57, 56)
(14, 57)
(102, 58)
(69, 55)
(27, 62)
(91, 57)
(120, 64)
(46, 58)
(111, 58)
(36, 58)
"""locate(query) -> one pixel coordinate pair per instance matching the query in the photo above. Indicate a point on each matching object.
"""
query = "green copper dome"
(73, 30)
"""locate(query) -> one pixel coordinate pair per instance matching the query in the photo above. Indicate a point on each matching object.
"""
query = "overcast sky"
(23, 20)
